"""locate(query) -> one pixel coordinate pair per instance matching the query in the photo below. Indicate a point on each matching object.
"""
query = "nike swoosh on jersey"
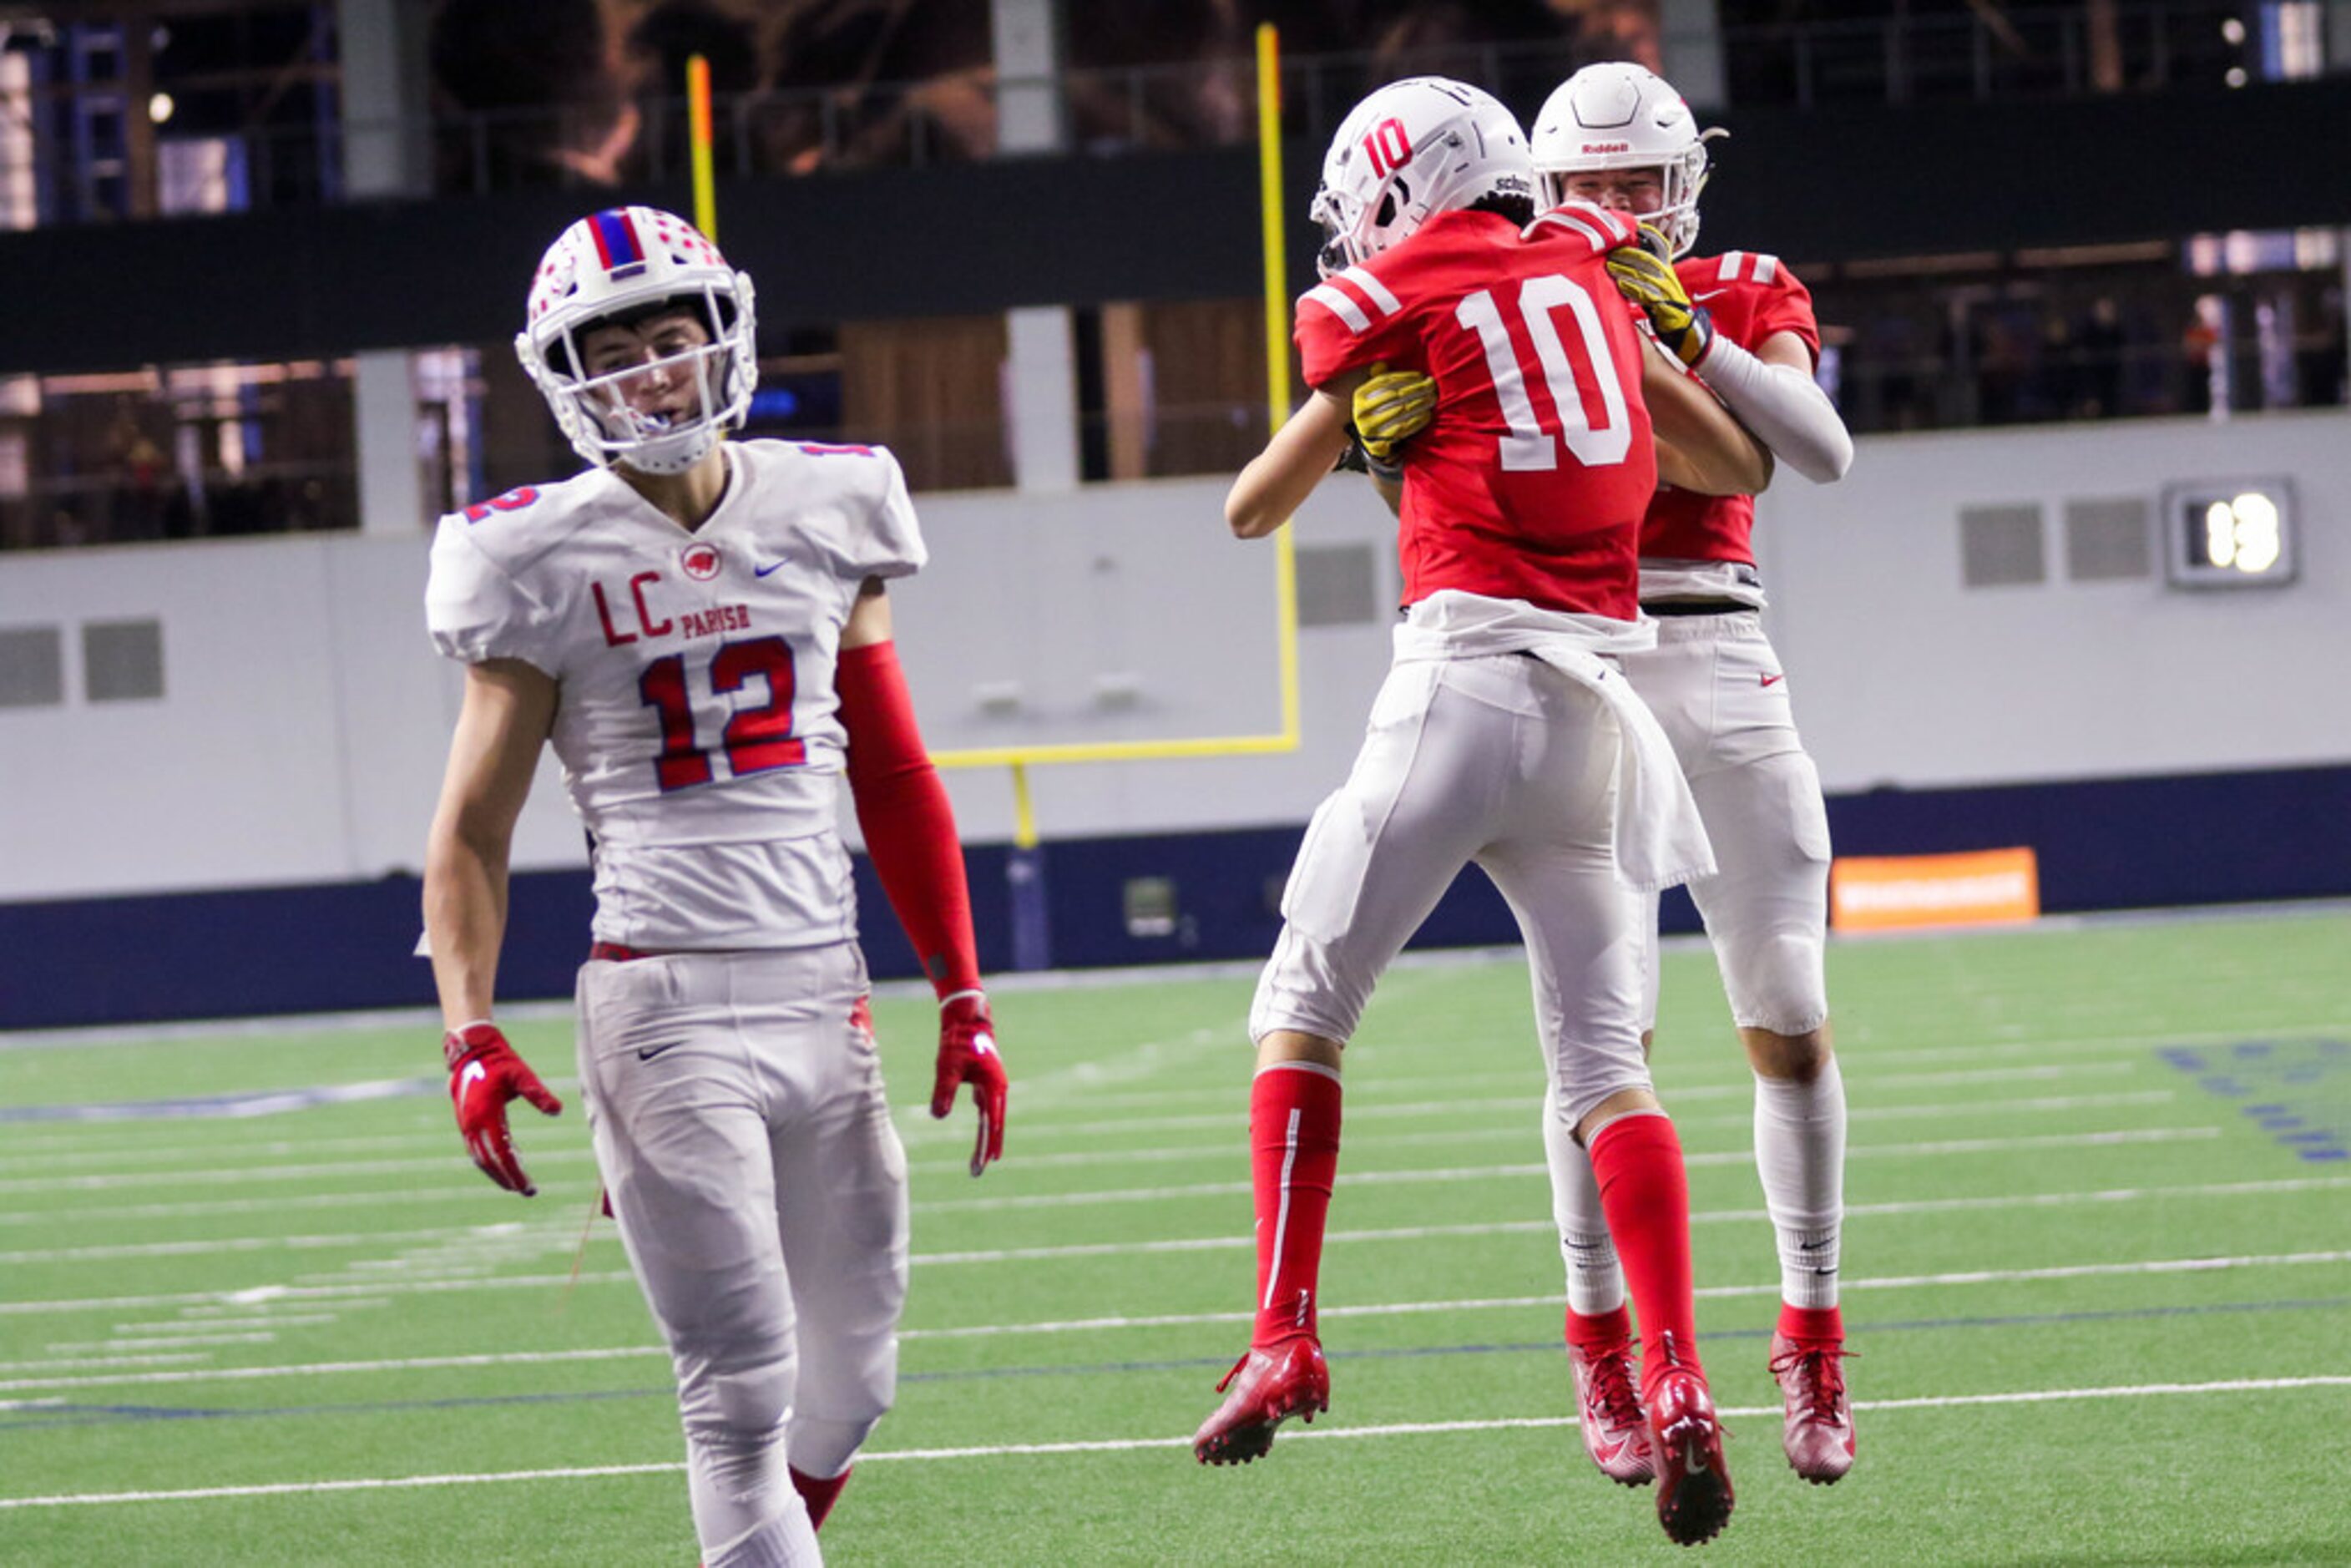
(1775, 680)
(648, 1053)
(772, 565)
(1710, 294)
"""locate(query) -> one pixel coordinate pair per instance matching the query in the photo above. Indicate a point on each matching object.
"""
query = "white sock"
(786, 1542)
(746, 1513)
(1800, 1155)
(1594, 1282)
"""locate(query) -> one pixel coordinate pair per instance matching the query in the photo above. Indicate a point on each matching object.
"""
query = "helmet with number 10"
(1619, 118)
(616, 269)
(1415, 148)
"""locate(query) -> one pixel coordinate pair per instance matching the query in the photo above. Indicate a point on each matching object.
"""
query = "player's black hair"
(1520, 209)
(691, 302)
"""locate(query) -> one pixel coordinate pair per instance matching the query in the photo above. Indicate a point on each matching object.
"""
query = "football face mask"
(1415, 148)
(1618, 115)
(620, 266)
(649, 398)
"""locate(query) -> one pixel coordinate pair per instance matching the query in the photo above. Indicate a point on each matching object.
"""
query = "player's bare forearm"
(507, 709)
(1701, 446)
(466, 917)
(1279, 479)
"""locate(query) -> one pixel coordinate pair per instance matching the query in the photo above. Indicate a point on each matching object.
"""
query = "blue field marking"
(49, 1415)
(2298, 1092)
(261, 1102)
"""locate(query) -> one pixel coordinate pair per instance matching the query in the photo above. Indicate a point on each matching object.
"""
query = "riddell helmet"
(1415, 148)
(623, 263)
(1620, 116)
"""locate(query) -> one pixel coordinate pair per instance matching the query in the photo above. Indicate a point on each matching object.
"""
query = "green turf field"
(2102, 1304)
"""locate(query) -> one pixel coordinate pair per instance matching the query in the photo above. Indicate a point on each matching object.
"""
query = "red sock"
(1812, 1325)
(1293, 1159)
(820, 1495)
(1590, 1332)
(1637, 1161)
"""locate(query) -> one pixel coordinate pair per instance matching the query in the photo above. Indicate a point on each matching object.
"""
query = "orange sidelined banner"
(1887, 893)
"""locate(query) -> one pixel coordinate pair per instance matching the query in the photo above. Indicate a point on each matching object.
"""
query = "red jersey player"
(1505, 734)
(700, 629)
(1616, 135)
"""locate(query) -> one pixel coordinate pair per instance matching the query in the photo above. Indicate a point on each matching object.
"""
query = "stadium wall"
(247, 840)
(278, 283)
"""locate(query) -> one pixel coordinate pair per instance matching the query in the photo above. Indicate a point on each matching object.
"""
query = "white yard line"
(332, 1368)
(304, 1321)
(497, 1236)
(1734, 1158)
(562, 1230)
(374, 1293)
(90, 1363)
(531, 1357)
(274, 1204)
(1325, 1432)
(160, 1153)
(231, 1176)
(917, 1129)
(169, 1342)
(1231, 1149)
(1525, 1102)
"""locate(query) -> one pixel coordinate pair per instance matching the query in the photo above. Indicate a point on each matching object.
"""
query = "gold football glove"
(1646, 277)
(1391, 408)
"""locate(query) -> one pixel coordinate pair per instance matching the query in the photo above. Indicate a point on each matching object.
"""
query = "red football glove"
(483, 1074)
(967, 1055)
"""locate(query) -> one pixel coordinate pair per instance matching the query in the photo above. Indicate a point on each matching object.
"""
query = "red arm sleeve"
(902, 810)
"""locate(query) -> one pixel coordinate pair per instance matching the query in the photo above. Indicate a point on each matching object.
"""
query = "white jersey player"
(700, 629)
(1617, 136)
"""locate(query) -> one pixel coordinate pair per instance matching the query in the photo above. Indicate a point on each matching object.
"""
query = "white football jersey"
(697, 720)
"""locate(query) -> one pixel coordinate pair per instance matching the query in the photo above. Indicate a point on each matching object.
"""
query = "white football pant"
(1500, 760)
(1720, 694)
(740, 1121)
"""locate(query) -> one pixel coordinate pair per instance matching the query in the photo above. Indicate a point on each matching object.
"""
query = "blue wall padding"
(2219, 838)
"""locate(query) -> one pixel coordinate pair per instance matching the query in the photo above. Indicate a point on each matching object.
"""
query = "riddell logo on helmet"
(1591, 147)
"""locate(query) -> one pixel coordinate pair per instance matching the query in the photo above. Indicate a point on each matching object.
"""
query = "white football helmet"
(1620, 116)
(625, 263)
(1415, 148)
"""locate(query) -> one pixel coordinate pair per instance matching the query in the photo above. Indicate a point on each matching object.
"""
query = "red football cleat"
(1693, 1484)
(1819, 1432)
(1270, 1385)
(1616, 1432)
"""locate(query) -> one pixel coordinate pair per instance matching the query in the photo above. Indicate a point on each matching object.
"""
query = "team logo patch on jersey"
(700, 562)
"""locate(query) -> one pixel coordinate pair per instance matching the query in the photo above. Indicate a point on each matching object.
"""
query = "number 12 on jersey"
(756, 739)
(1530, 447)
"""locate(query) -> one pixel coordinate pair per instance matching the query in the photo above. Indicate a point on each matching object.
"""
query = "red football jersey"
(1750, 298)
(1532, 477)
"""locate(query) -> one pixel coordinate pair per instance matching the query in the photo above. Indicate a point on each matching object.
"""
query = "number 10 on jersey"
(1529, 446)
(754, 739)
